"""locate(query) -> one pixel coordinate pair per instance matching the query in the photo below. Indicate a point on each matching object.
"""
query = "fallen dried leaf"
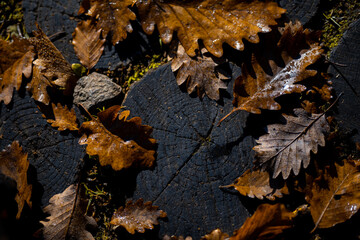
(117, 141)
(38, 86)
(137, 216)
(287, 147)
(200, 73)
(14, 164)
(335, 196)
(87, 43)
(64, 119)
(67, 218)
(215, 235)
(268, 222)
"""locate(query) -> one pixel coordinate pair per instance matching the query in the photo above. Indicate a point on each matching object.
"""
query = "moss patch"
(11, 19)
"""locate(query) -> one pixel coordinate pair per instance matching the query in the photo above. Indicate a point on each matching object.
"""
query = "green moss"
(11, 19)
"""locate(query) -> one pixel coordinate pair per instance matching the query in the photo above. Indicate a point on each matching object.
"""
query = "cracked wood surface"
(194, 156)
(55, 155)
(302, 10)
(346, 71)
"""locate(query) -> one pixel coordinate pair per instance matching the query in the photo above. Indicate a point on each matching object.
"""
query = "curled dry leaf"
(258, 184)
(38, 86)
(335, 196)
(287, 147)
(215, 235)
(117, 141)
(137, 216)
(64, 119)
(14, 164)
(67, 218)
(268, 222)
(167, 237)
(200, 73)
(52, 66)
(111, 17)
(87, 43)
(19, 57)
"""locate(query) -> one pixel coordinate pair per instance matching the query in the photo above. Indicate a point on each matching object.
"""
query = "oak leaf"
(258, 184)
(38, 85)
(267, 222)
(87, 43)
(199, 73)
(111, 16)
(213, 22)
(215, 235)
(137, 216)
(19, 56)
(117, 141)
(335, 195)
(14, 164)
(52, 65)
(67, 218)
(64, 119)
(287, 146)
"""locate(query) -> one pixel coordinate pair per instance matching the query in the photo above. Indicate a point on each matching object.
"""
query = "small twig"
(82, 106)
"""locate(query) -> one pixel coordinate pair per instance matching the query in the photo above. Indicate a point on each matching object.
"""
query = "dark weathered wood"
(346, 72)
(194, 156)
(60, 17)
(302, 10)
(56, 156)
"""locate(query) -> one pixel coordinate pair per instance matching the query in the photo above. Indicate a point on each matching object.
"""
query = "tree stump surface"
(302, 10)
(56, 156)
(346, 79)
(194, 155)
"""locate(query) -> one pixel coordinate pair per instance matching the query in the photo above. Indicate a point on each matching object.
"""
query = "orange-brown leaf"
(18, 61)
(117, 141)
(38, 86)
(137, 216)
(199, 73)
(267, 222)
(112, 16)
(51, 64)
(335, 196)
(287, 147)
(67, 218)
(87, 43)
(215, 235)
(258, 184)
(213, 22)
(64, 119)
(14, 164)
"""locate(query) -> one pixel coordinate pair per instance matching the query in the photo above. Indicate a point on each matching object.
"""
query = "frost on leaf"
(137, 216)
(111, 16)
(268, 222)
(18, 62)
(67, 218)
(276, 69)
(213, 22)
(335, 195)
(87, 43)
(14, 164)
(117, 141)
(65, 119)
(52, 66)
(258, 184)
(287, 146)
(200, 73)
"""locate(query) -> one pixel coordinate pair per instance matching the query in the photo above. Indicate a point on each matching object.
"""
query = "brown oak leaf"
(287, 146)
(87, 43)
(64, 119)
(38, 86)
(67, 218)
(199, 73)
(111, 17)
(137, 216)
(335, 195)
(117, 141)
(215, 235)
(258, 184)
(52, 65)
(14, 164)
(267, 222)
(19, 57)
